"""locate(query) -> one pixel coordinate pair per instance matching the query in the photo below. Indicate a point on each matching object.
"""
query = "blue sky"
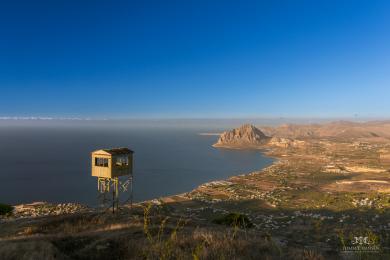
(195, 58)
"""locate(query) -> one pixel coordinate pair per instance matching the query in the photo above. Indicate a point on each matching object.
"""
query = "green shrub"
(235, 220)
(5, 209)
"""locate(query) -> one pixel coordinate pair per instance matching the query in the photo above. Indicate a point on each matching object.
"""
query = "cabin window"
(102, 162)
(122, 160)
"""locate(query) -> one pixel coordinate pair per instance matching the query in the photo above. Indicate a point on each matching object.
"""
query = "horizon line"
(48, 118)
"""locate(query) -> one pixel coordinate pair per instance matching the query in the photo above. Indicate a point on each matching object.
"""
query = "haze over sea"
(49, 160)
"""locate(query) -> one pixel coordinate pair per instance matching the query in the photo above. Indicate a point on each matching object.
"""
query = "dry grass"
(153, 235)
(30, 250)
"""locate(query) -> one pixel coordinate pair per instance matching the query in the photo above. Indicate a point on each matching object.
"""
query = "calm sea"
(51, 162)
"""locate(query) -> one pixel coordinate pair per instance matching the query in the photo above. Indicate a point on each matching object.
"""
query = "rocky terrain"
(244, 136)
(327, 196)
(340, 130)
(249, 136)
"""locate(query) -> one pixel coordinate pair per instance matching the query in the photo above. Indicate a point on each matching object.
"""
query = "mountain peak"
(242, 136)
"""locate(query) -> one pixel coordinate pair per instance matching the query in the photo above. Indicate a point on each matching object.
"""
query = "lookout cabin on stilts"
(110, 164)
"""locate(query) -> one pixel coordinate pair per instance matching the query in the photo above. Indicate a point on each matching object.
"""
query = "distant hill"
(246, 135)
(379, 130)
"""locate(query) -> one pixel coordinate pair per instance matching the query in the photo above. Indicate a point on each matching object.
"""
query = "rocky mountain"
(246, 135)
(294, 135)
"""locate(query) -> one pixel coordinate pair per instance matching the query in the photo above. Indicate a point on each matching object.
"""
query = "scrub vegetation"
(5, 209)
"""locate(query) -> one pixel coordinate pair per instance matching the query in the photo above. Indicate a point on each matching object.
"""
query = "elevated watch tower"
(114, 171)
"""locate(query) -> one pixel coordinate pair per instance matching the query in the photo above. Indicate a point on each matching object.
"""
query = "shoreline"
(45, 208)
(309, 189)
(284, 160)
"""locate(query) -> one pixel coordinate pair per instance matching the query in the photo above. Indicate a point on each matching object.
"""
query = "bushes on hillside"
(5, 209)
(234, 220)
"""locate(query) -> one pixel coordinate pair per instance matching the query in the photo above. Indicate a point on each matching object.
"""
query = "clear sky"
(202, 58)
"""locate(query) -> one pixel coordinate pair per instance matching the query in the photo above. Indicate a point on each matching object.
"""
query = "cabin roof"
(114, 151)
(121, 150)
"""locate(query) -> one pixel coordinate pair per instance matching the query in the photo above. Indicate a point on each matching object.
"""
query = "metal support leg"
(104, 185)
(131, 192)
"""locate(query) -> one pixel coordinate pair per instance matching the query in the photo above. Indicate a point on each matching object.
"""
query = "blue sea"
(50, 161)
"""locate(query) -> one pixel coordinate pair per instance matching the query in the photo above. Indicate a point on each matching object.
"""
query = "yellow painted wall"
(112, 170)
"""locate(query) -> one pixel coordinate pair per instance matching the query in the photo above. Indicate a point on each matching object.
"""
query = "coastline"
(43, 208)
(309, 189)
(284, 160)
